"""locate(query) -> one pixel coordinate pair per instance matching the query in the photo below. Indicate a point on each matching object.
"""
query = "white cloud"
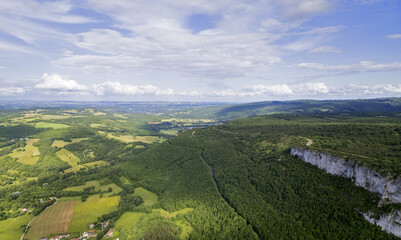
(116, 88)
(394, 36)
(59, 83)
(363, 66)
(12, 91)
(313, 88)
(277, 89)
(372, 90)
(157, 37)
(325, 49)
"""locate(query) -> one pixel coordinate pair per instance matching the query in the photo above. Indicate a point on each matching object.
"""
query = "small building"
(110, 233)
(24, 210)
(91, 226)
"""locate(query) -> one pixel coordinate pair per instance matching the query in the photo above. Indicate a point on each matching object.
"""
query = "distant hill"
(228, 112)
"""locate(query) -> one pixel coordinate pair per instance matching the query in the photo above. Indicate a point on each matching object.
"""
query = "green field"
(130, 138)
(68, 156)
(53, 220)
(10, 229)
(75, 168)
(28, 155)
(96, 164)
(148, 197)
(168, 215)
(172, 132)
(51, 125)
(61, 143)
(128, 219)
(87, 212)
(115, 189)
(133, 224)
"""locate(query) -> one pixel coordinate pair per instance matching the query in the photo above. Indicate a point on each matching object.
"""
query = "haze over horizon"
(224, 51)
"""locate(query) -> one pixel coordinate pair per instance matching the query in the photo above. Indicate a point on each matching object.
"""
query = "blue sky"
(221, 50)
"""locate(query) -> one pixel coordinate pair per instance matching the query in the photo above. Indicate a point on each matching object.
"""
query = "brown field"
(53, 220)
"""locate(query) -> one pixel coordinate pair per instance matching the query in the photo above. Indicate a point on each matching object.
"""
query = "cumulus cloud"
(363, 66)
(325, 49)
(116, 88)
(394, 36)
(59, 83)
(157, 36)
(275, 90)
(12, 91)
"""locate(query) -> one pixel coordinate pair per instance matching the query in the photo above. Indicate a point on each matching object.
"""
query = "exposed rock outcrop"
(389, 189)
(391, 222)
(361, 175)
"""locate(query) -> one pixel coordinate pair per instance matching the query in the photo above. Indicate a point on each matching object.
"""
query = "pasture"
(28, 155)
(131, 139)
(54, 219)
(87, 212)
(61, 143)
(51, 125)
(10, 229)
(115, 189)
(68, 157)
(96, 164)
(128, 219)
(148, 197)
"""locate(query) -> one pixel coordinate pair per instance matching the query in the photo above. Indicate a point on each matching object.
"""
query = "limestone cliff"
(361, 175)
(389, 189)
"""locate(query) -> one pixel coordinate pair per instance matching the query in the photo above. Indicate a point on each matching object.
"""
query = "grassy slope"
(68, 157)
(10, 229)
(87, 212)
(29, 154)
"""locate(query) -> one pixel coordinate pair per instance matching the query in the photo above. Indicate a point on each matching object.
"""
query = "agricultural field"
(87, 212)
(149, 198)
(51, 125)
(115, 189)
(128, 219)
(55, 219)
(61, 143)
(28, 155)
(131, 139)
(68, 157)
(10, 229)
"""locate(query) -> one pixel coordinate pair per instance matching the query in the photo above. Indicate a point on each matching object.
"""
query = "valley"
(102, 173)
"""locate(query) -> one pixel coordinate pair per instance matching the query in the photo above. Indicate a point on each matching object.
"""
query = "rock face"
(390, 190)
(391, 222)
(361, 175)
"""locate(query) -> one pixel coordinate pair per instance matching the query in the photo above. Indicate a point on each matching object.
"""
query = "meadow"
(28, 155)
(115, 189)
(50, 125)
(68, 157)
(61, 143)
(149, 198)
(88, 212)
(10, 229)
